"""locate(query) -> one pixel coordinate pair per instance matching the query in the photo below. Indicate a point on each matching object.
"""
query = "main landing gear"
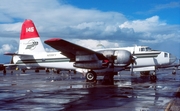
(4, 71)
(152, 76)
(107, 80)
(91, 76)
(23, 70)
(174, 71)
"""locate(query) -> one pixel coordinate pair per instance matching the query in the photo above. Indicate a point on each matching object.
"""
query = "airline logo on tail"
(31, 45)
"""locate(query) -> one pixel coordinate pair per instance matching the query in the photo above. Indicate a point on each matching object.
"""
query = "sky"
(112, 23)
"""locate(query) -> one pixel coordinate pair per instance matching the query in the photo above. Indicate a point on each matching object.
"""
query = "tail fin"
(30, 42)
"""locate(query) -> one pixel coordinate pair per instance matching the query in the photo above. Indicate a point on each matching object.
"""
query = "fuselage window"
(165, 54)
(144, 49)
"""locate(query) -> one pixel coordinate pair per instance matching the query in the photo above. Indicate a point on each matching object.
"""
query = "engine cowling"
(118, 57)
(123, 58)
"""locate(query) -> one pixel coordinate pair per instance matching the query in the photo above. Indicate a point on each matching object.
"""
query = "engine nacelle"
(123, 58)
(118, 57)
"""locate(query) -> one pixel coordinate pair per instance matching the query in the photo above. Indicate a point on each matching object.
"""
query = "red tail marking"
(28, 30)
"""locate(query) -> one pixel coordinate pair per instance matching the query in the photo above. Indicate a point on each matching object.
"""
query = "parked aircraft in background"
(110, 61)
(2, 68)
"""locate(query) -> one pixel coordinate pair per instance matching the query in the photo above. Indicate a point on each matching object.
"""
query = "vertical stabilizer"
(30, 42)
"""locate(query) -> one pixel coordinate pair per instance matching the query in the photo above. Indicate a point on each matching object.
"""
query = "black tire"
(23, 70)
(153, 78)
(91, 76)
(174, 72)
(145, 72)
(58, 71)
(36, 70)
(4, 71)
(47, 71)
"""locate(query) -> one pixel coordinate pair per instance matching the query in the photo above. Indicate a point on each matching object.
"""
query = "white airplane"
(93, 63)
(109, 61)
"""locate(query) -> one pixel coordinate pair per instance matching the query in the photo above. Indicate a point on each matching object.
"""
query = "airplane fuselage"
(146, 59)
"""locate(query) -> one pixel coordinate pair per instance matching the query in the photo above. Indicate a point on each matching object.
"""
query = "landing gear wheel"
(4, 71)
(145, 72)
(153, 77)
(74, 71)
(47, 70)
(23, 70)
(58, 71)
(36, 70)
(91, 76)
(174, 72)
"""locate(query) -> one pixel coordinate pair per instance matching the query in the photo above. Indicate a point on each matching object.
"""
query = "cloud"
(66, 21)
(58, 18)
(5, 48)
(160, 7)
(86, 27)
(152, 29)
(94, 44)
(143, 25)
(165, 6)
(8, 45)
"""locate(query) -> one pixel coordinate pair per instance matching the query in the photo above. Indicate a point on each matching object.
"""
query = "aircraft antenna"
(100, 45)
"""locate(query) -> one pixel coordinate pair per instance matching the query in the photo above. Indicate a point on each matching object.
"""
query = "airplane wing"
(71, 50)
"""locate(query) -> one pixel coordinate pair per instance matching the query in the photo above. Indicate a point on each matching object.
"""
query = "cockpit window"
(145, 49)
(165, 54)
(142, 49)
(148, 49)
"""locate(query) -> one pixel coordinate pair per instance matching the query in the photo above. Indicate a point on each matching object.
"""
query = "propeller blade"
(132, 63)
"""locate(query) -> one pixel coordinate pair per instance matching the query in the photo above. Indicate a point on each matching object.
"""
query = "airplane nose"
(172, 58)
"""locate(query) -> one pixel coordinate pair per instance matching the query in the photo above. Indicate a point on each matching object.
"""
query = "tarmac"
(66, 91)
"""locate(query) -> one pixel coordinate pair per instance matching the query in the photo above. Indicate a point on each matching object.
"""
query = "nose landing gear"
(153, 76)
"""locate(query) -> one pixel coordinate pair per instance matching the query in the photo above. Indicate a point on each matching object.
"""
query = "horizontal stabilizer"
(12, 54)
(8, 65)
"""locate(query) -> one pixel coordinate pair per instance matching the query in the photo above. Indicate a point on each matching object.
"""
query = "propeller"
(133, 61)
